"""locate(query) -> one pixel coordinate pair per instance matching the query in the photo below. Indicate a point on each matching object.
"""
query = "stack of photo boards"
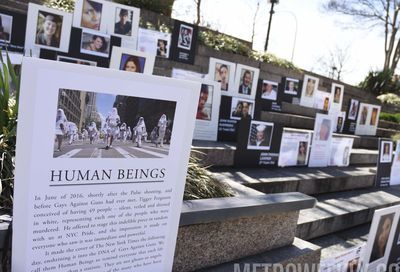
(232, 96)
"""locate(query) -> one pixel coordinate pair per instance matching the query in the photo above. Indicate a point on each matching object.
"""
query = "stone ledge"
(219, 209)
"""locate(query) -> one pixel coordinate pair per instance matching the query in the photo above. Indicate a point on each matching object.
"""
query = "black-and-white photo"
(185, 37)
(5, 27)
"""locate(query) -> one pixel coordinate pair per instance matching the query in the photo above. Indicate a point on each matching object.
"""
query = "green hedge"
(392, 117)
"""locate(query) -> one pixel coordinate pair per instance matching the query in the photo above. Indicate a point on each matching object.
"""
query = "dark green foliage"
(163, 7)
(392, 117)
(380, 82)
(66, 5)
(8, 125)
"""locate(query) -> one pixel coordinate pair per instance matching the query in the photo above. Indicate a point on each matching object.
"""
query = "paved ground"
(119, 149)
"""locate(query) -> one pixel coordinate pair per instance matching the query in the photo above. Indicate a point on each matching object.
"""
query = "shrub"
(380, 82)
(163, 7)
(392, 117)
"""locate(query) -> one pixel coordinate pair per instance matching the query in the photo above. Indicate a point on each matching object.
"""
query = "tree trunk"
(198, 3)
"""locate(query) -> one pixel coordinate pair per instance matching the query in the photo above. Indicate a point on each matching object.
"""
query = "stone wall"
(267, 71)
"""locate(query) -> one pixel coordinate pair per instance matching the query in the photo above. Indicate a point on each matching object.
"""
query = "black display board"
(248, 154)
(75, 50)
(384, 164)
(183, 44)
(226, 126)
(292, 97)
(350, 122)
(264, 104)
(14, 41)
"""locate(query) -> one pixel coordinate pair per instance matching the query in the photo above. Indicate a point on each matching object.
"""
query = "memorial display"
(91, 15)
(183, 43)
(351, 118)
(124, 24)
(395, 171)
(384, 163)
(336, 99)
(246, 79)
(321, 141)
(108, 199)
(223, 72)
(268, 97)
(368, 118)
(308, 92)
(322, 100)
(12, 35)
(340, 151)
(340, 118)
(295, 147)
(154, 42)
(291, 90)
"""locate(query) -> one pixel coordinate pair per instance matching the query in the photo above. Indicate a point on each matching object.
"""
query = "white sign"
(310, 85)
(130, 60)
(368, 118)
(395, 173)
(295, 146)
(337, 93)
(347, 261)
(109, 200)
(340, 151)
(321, 143)
(154, 42)
(91, 14)
(186, 74)
(246, 79)
(340, 117)
(223, 72)
(47, 28)
(322, 100)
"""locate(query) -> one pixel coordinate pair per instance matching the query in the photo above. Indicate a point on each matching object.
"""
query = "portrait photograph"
(124, 22)
(162, 48)
(47, 28)
(5, 27)
(269, 90)
(363, 115)
(93, 43)
(131, 60)
(353, 109)
(111, 126)
(324, 130)
(223, 72)
(185, 37)
(381, 237)
(291, 86)
(260, 135)
(204, 107)
(241, 108)
(386, 151)
(302, 154)
(308, 92)
(337, 94)
(246, 78)
(76, 61)
(374, 117)
(91, 14)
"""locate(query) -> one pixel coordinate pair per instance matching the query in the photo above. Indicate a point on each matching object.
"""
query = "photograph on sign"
(381, 238)
(353, 109)
(246, 79)
(260, 135)
(122, 163)
(340, 118)
(96, 44)
(345, 261)
(337, 92)
(368, 119)
(47, 28)
(223, 72)
(124, 22)
(154, 42)
(386, 151)
(112, 123)
(131, 60)
(76, 61)
(269, 90)
(241, 108)
(91, 14)
(395, 170)
(291, 86)
(206, 127)
(185, 37)
(295, 146)
(309, 89)
(6, 26)
(321, 141)
(322, 100)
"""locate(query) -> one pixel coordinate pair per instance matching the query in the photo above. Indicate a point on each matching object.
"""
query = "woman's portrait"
(48, 29)
(95, 44)
(132, 63)
(310, 87)
(326, 104)
(381, 237)
(364, 114)
(222, 75)
(353, 109)
(386, 151)
(302, 153)
(291, 86)
(162, 48)
(204, 105)
(5, 27)
(337, 95)
(91, 14)
(324, 130)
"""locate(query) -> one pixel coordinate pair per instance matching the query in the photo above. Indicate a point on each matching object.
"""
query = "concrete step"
(309, 181)
(222, 154)
(338, 211)
(306, 122)
(389, 124)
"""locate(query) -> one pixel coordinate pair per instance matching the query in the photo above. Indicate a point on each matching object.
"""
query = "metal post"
(271, 12)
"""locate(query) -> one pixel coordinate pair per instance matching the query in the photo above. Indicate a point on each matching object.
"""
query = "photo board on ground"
(14, 28)
(337, 93)
(268, 97)
(308, 92)
(184, 42)
(351, 117)
(347, 260)
(131, 60)
(339, 118)
(340, 151)
(368, 119)
(154, 42)
(295, 147)
(321, 141)
(395, 171)
(246, 79)
(223, 71)
(257, 144)
(384, 163)
(99, 207)
(291, 90)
